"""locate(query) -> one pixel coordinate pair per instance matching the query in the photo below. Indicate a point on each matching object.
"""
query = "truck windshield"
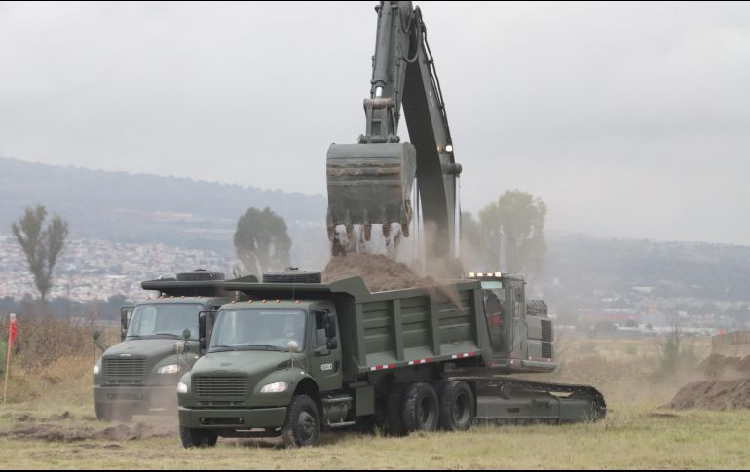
(258, 329)
(164, 320)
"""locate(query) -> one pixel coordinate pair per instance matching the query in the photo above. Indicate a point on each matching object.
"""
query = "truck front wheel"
(302, 424)
(194, 437)
(421, 411)
(103, 412)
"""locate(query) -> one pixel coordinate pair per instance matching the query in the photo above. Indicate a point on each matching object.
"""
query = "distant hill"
(580, 271)
(585, 271)
(139, 208)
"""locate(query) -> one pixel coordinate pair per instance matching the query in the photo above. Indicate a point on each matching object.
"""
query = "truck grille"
(547, 330)
(547, 350)
(220, 386)
(124, 370)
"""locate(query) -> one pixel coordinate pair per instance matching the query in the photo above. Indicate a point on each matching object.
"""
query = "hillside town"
(95, 269)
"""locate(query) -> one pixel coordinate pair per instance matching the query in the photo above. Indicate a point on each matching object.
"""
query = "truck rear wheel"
(194, 437)
(302, 425)
(456, 405)
(421, 411)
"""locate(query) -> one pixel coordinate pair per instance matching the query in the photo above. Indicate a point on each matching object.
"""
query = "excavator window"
(493, 309)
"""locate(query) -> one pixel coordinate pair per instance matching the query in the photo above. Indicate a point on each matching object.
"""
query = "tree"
(42, 247)
(516, 221)
(261, 241)
(472, 248)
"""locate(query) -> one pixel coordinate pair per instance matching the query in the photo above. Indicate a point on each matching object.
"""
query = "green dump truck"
(297, 357)
(160, 343)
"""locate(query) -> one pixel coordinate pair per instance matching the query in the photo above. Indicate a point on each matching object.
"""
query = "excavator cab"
(520, 330)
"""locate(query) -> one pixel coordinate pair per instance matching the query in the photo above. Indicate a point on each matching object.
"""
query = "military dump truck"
(139, 374)
(297, 357)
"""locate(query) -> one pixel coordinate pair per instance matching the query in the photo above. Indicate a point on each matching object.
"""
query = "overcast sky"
(629, 120)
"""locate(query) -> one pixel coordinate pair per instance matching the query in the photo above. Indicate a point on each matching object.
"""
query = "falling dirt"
(378, 272)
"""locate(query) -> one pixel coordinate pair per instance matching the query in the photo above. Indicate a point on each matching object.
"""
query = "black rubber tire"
(302, 424)
(103, 412)
(456, 405)
(393, 425)
(198, 275)
(194, 437)
(421, 411)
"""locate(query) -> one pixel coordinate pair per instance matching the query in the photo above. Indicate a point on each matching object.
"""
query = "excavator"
(381, 180)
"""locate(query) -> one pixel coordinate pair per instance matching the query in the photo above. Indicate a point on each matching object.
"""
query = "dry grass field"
(49, 423)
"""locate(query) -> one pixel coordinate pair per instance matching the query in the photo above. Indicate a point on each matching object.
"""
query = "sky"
(629, 120)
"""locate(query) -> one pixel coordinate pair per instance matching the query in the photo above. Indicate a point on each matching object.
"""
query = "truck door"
(325, 362)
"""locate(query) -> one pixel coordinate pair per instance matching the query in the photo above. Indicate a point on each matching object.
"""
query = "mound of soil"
(61, 432)
(718, 366)
(712, 395)
(378, 272)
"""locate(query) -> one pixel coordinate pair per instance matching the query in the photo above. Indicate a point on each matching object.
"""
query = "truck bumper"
(232, 419)
(163, 397)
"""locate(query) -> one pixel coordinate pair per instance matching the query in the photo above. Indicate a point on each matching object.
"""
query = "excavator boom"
(371, 182)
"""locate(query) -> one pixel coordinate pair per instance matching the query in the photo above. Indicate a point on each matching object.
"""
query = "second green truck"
(293, 358)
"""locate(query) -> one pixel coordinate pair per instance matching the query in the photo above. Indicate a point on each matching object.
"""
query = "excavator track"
(503, 384)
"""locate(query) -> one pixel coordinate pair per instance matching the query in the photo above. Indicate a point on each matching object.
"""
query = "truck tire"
(392, 423)
(302, 425)
(421, 411)
(103, 412)
(194, 437)
(456, 405)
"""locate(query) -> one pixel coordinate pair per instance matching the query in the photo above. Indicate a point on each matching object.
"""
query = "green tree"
(261, 241)
(515, 221)
(42, 247)
(472, 248)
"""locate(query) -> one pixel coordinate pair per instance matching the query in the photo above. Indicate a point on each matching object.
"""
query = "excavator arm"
(371, 182)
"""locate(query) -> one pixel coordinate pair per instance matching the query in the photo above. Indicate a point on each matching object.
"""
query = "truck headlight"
(96, 369)
(182, 387)
(168, 369)
(274, 387)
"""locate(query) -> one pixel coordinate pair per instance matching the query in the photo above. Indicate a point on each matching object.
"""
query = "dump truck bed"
(398, 328)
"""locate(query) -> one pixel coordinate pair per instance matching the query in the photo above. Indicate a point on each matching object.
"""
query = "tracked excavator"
(381, 180)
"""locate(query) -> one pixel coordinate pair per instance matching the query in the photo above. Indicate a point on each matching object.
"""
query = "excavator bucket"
(370, 184)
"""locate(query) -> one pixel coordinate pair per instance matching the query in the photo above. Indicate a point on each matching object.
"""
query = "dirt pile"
(55, 430)
(727, 377)
(378, 272)
(712, 395)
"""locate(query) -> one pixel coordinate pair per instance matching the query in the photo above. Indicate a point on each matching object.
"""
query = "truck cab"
(520, 330)
(261, 355)
(160, 342)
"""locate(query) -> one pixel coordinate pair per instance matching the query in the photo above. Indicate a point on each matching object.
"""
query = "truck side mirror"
(125, 313)
(330, 330)
(205, 327)
(330, 325)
